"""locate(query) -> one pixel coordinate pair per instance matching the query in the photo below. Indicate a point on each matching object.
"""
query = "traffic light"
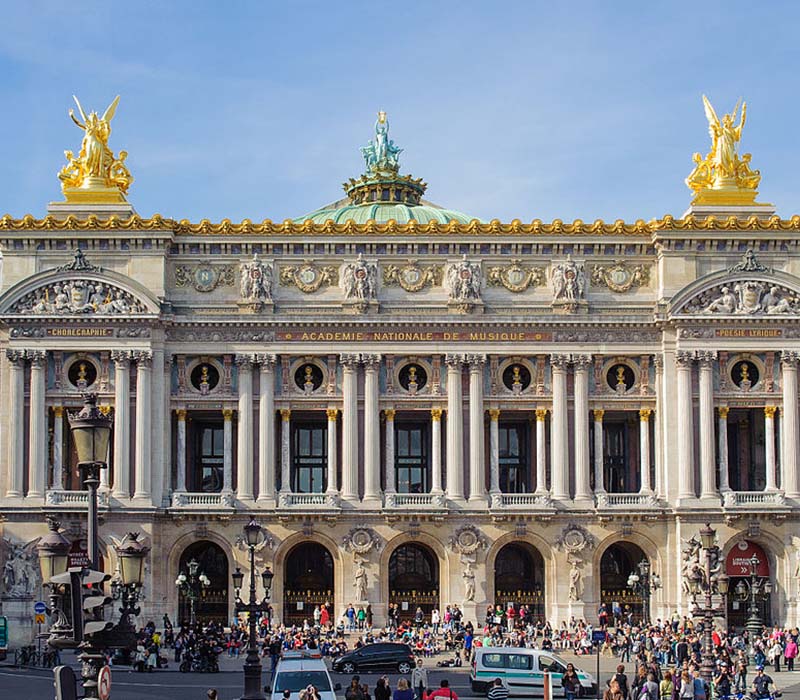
(85, 608)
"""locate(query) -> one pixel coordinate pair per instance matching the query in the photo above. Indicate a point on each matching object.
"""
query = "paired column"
(658, 363)
(244, 460)
(332, 414)
(722, 449)
(494, 450)
(58, 448)
(266, 428)
(180, 414)
(477, 470)
(286, 451)
(455, 429)
(391, 486)
(372, 446)
(122, 423)
(436, 451)
(144, 412)
(789, 432)
(769, 439)
(581, 364)
(541, 452)
(708, 469)
(599, 454)
(559, 436)
(644, 449)
(227, 447)
(686, 488)
(16, 428)
(349, 427)
(37, 433)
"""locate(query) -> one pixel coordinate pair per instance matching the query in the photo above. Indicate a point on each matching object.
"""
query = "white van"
(522, 671)
(297, 670)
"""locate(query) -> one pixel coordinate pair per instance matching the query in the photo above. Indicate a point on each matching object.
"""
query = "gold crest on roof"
(723, 177)
(96, 175)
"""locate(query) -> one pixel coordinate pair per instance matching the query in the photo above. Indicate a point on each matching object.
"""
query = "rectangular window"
(513, 448)
(621, 454)
(209, 457)
(747, 463)
(309, 457)
(493, 660)
(520, 662)
(411, 457)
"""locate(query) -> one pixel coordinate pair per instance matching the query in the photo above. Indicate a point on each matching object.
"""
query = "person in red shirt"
(324, 616)
(443, 691)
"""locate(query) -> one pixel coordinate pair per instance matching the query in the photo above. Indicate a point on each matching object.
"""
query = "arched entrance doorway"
(211, 602)
(308, 582)
(617, 563)
(750, 584)
(519, 577)
(413, 580)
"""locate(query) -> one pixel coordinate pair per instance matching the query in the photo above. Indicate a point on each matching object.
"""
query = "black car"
(382, 656)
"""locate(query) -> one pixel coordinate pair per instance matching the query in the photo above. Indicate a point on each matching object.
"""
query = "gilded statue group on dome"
(382, 154)
(722, 169)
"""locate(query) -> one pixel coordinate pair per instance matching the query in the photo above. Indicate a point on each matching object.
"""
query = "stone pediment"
(78, 289)
(746, 290)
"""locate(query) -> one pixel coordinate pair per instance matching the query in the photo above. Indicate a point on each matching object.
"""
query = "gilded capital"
(389, 413)
(598, 414)
(332, 414)
(723, 411)
(644, 414)
(494, 414)
(541, 414)
(286, 414)
(436, 414)
(180, 414)
(58, 411)
(227, 414)
(769, 411)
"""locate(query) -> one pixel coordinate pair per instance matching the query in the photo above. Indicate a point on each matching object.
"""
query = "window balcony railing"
(74, 499)
(749, 499)
(293, 500)
(198, 500)
(430, 501)
(520, 501)
(626, 500)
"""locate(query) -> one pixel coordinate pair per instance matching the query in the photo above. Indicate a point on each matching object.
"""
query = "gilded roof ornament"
(381, 155)
(724, 177)
(96, 175)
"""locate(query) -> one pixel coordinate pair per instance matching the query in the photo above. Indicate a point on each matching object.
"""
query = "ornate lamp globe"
(644, 567)
(53, 551)
(132, 553)
(266, 579)
(741, 589)
(754, 562)
(252, 533)
(708, 536)
(181, 579)
(205, 580)
(91, 431)
(238, 579)
(723, 583)
(193, 568)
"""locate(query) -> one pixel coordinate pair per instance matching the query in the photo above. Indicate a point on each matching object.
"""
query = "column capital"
(227, 414)
(58, 411)
(332, 413)
(286, 414)
(541, 414)
(789, 358)
(494, 414)
(389, 413)
(144, 358)
(658, 362)
(453, 361)
(266, 360)
(37, 357)
(723, 411)
(475, 362)
(644, 414)
(559, 362)
(598, 414)
(436, 414)
(15, 357)
(371, 361)
(581, 362)
(350, 361)
(684, 359)
(245, 361)
(180, 413)
(121, 358)
(769, 411)
(706, 358)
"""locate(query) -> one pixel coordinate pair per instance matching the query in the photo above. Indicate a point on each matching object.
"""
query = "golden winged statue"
(96, 174)
(723, 177)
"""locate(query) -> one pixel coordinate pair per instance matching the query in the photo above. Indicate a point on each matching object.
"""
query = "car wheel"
(404, 667)
(348, 667)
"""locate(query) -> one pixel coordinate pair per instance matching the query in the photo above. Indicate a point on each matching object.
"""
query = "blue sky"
(507, 109)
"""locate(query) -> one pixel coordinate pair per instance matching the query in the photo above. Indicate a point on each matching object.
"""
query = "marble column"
(477, 468)
(144, 412)
(708, 469)
(722, 449)
(790, 464)
(227, 449)
(455, 429)
(16, 428)
(372, 431)
(391, 485)
(332, 414)
(661, 490)
(286, 450)
(180, 414)
(494, 450)
(37, 431)
(541, 452)
(581, 364)
(559, 435)
(686, 487)
(599, 451)
(244, 430)
(644, 450)
(122, 423)
(436, 451)
(349, 427)
(58, 448)
(769, 439)
(266, 428)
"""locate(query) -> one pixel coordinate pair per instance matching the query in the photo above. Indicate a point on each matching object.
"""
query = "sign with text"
(737, 563)
(408, 336)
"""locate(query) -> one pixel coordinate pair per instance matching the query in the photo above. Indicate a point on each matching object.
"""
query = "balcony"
(74, 499)
(520, 501)
(415, 501)
(201, 501)
(753, 499)
(624, 501)
(288, 500)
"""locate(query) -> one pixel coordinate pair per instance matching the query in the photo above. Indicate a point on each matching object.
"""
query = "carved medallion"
(204, 278)
(412, 277)
(620, 277)
(308, 277)
(467, 540)
(361, 540)
(516, 278)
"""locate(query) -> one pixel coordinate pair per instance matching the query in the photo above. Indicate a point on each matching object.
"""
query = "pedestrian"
(382, 689)
(790, 652)
(403, 692)
(354, 690)
(498, 691)
(686, 691)
(212, 694)
(443, 691)
(613, 692)
(621, 679)
(666, 687)
(419, 679)
(571, 683)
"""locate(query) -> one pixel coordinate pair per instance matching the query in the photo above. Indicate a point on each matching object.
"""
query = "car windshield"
(295, 681)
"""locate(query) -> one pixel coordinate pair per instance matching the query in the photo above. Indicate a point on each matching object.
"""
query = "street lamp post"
(757, 587)
(131, 553)
(190, 587)
(643, 584)
(254, 610)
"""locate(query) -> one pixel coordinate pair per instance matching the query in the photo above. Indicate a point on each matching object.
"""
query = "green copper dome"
(381, 194)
